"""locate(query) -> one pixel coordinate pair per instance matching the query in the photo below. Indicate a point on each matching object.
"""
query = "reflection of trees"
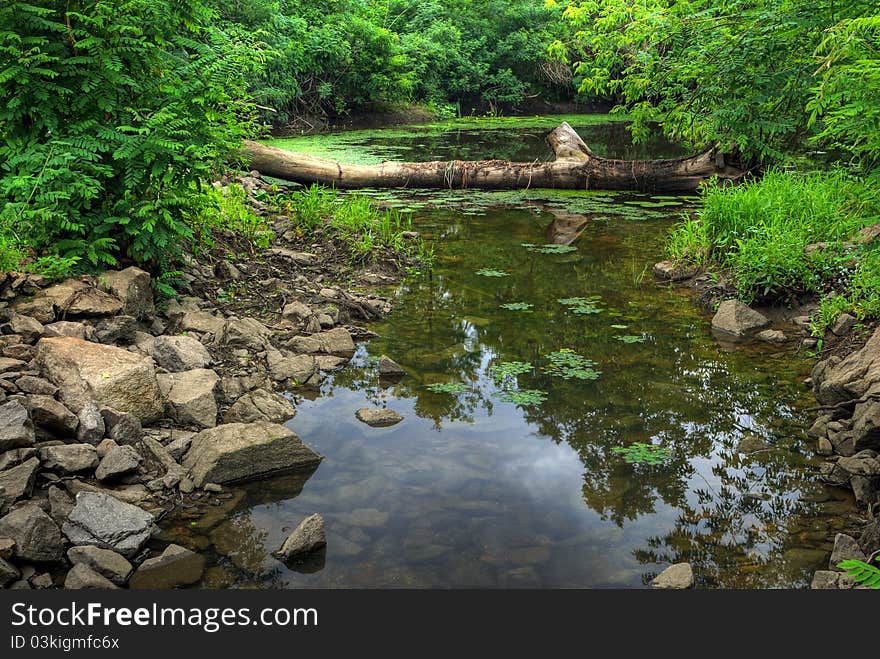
(678, 389)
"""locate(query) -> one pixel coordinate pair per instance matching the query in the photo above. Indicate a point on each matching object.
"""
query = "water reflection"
(472, 491)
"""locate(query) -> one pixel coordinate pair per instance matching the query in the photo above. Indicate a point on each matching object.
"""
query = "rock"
(751, 444)
(864, 463)
(819, 427)
(109, 376)
(192, 396)
(60, 505)
(307, 537)
(865, 489)
(199, 321)
(40, 309)
(180, 444)
(76, 298)
(176, 566)
(825, 580)
(83, 577)
(91, 424)
(104, 521)
(260, 405)
(296, 311)
(738, 319)
(7, 548)
(104, 447)
(48, 413)
(36, 536)
(670, 271)
(836, 380)
(32, 385)
(843, 324)
(242, 451)
(16, 428)
(388, 368)
(378, 417)
(869, 541)
(69, 458)
(8, 572)
(24, 353)
(301, 369)
(212, 487)
(132, 287)
(336, 341)
(678, 576)
(66, 328)
(119, 461)
(246, 332)
(41, 581)
(29, 329)
(15, 457)
(18, 482)
(119, 329)
(825, 447)
(107, 563)
(771, 336)
(845, 549)
(298, 258)
(121, 427)
(180, 353)
(7, 365)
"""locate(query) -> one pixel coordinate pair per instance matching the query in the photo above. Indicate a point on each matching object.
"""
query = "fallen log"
(575, 167)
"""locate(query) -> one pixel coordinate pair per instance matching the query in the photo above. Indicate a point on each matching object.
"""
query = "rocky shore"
(846, 383)
(116, 410)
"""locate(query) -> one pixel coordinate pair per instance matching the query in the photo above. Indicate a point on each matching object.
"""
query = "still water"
(472, 490)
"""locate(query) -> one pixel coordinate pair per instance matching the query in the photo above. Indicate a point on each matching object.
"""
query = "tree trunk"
(575, 167)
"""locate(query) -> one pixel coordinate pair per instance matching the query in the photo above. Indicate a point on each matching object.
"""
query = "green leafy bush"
(112, 115)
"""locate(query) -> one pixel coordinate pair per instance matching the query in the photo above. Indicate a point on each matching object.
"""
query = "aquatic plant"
(631, 338)
(507, 370)
(567, 364)
(640, 453)
(524, 397)
(549, 248)
(454, 388)
(518, 306)
(488, 272)
(582, 305)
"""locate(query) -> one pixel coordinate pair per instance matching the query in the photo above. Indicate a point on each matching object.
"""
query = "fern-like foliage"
(862, 573)
(112, 113)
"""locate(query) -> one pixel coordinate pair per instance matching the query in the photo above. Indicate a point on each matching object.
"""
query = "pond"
(505, 473)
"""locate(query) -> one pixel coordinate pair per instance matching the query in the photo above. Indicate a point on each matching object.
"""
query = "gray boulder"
(388, 368)
(83, 577)
(48, 413)
(91, 424)
(845, 549)
(108, 564)
(738, 319)
(8, 573)
(132, 287)
(104, 521)
(16, 427)
(192, 396)
(244, 451)
(176, 566)
(378, 417)
(36, 536)
(121, 427)
(119, 461)
(69, 458)
(18, 482)
(260, 405)
(180, 353)
(307, 537)
(106, 375)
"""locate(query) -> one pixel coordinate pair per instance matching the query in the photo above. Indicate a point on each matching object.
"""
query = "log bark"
(575, 167)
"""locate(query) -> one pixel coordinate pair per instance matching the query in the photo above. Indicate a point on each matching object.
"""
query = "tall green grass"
(758, 232)
(353, 219)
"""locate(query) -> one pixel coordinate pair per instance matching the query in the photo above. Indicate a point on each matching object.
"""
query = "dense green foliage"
(333, 56)
(111, 115)
(758, 76)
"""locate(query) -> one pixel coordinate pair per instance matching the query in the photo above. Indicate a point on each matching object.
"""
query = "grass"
(353, 219)
(758, 233)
